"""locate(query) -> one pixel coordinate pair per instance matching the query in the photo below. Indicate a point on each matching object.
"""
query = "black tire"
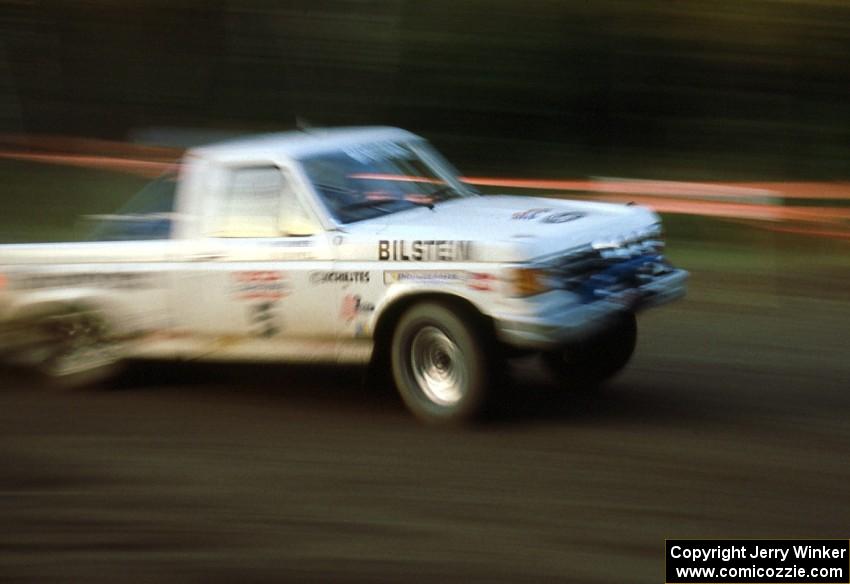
(587, 364)
(441, 363)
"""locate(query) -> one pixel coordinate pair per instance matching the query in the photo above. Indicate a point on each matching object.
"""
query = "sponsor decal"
(352, 305)
(473, 280)
(317, 278)
(563, 217)
(260, 285)
(113, 281)
(424, 250)
(264, 318)
(530, 214)
(481, 281)
(425, 276)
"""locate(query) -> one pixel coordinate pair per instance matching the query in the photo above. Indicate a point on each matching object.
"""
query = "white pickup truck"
(344, 245)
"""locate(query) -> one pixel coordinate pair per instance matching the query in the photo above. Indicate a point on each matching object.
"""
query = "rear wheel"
(587, 364)
(76, 350)
(441, 363)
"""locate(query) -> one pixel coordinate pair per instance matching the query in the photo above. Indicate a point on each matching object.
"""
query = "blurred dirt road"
(732, 421)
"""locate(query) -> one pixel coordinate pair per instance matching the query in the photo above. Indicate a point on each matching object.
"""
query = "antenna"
(302, 124)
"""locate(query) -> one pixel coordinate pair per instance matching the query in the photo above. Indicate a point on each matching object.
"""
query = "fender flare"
(400, 297)
(33, 306)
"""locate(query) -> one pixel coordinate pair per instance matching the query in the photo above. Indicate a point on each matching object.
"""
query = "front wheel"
(587, 364)
(440, 363)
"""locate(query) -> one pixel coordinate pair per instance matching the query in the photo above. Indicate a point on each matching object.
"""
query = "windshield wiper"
(379, 203)
(428, 203)
(370, 204)
(437, 194)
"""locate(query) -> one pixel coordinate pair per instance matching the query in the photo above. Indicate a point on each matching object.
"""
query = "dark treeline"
(684, 88)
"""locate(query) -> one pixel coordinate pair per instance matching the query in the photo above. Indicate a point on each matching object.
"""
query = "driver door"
(251, 273)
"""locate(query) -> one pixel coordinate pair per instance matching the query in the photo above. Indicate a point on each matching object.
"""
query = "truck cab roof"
(298, 144)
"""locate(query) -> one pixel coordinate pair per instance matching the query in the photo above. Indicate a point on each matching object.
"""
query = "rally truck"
(340, 245)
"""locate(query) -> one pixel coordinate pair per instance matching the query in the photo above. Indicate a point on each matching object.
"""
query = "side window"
(260, 202)
(147, 215)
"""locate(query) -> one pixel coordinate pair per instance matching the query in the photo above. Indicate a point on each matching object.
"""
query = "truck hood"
(503, 227)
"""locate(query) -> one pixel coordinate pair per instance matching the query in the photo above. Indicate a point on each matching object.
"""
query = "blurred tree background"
(706, 89)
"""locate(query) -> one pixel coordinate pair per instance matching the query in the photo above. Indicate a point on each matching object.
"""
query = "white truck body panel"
(320, 296)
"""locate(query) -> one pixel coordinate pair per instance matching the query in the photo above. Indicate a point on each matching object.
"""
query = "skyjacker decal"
(425, 276)
(424, 250)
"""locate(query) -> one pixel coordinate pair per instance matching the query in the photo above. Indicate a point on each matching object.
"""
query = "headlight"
(528, 281)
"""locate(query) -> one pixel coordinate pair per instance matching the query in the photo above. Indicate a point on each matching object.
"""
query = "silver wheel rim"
(438, 366)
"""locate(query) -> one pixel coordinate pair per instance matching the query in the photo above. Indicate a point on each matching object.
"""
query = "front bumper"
(550, 329)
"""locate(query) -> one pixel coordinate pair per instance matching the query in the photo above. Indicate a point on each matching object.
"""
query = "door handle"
(206, 257)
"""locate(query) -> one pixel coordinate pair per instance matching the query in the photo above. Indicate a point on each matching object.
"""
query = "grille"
(612, 266)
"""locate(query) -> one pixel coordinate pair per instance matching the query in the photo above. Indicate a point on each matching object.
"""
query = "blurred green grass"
(705, 243)
(46, 203)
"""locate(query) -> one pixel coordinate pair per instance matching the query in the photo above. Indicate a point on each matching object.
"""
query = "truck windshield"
(369, 180)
